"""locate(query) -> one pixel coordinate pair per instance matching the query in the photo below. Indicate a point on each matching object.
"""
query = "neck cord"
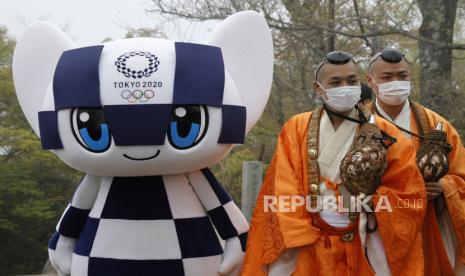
(399, 127)
(362, 121)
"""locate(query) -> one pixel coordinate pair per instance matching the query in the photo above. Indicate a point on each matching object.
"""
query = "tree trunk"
(305, 13)
(332, 17)
(436, 88)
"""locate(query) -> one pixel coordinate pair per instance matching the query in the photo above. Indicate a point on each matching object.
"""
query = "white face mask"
(394, 92)
(342, 98)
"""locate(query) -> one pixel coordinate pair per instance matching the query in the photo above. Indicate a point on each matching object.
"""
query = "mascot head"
(144, 106)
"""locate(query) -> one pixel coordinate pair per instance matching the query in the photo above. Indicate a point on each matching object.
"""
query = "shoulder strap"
(421, 118)
(312, 153)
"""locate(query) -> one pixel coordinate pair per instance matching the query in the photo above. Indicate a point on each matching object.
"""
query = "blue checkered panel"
(106, 266)
(243, 239)
(76, 82)
(199, 76)
(136, 125)
(233, 125)
(197, 238)
(222, 223)
(72, 222)
(48, 126)
(52, 243)
(137, 198)
(86, 240)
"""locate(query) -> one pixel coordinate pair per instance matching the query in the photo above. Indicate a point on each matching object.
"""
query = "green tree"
(35, 185)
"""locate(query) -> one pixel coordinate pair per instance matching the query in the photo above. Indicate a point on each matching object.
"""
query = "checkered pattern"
(223, 212)
(157, 224)
(128, 72)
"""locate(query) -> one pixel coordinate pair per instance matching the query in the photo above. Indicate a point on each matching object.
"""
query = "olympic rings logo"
(123, 68)
(137, 95)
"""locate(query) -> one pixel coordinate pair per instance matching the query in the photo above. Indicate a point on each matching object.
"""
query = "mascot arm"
(69, 228)
(225, 215)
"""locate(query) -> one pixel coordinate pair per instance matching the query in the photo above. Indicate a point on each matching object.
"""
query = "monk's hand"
(433, 190)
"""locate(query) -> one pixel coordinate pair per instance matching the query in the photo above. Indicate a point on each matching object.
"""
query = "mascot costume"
(144, 118)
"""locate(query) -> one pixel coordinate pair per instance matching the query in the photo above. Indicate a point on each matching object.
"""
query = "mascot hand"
(62, 255)
(233, 258)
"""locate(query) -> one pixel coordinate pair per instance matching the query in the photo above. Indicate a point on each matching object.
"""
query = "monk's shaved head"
(388, 59)
(380, 64)
(336, 75)
(330, 73)
(323, 68)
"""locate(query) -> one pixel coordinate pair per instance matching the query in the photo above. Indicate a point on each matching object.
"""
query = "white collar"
(334, 144)
(402, 119)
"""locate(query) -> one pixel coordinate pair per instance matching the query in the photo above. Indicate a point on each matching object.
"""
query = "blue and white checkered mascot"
(144, 118)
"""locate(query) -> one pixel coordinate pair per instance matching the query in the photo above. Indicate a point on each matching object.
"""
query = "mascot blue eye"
(188, 125)
(90, 129)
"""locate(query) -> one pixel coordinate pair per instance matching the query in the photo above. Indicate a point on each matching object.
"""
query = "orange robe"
(453, 184)
(272, 232)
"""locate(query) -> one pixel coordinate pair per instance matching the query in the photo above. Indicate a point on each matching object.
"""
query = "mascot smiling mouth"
(142, 158)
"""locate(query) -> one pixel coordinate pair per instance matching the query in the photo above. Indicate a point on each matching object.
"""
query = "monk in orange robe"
(300, 242)
(443, 230)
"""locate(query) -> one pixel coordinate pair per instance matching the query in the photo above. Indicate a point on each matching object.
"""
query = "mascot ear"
(34, 60)
(247, 47)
